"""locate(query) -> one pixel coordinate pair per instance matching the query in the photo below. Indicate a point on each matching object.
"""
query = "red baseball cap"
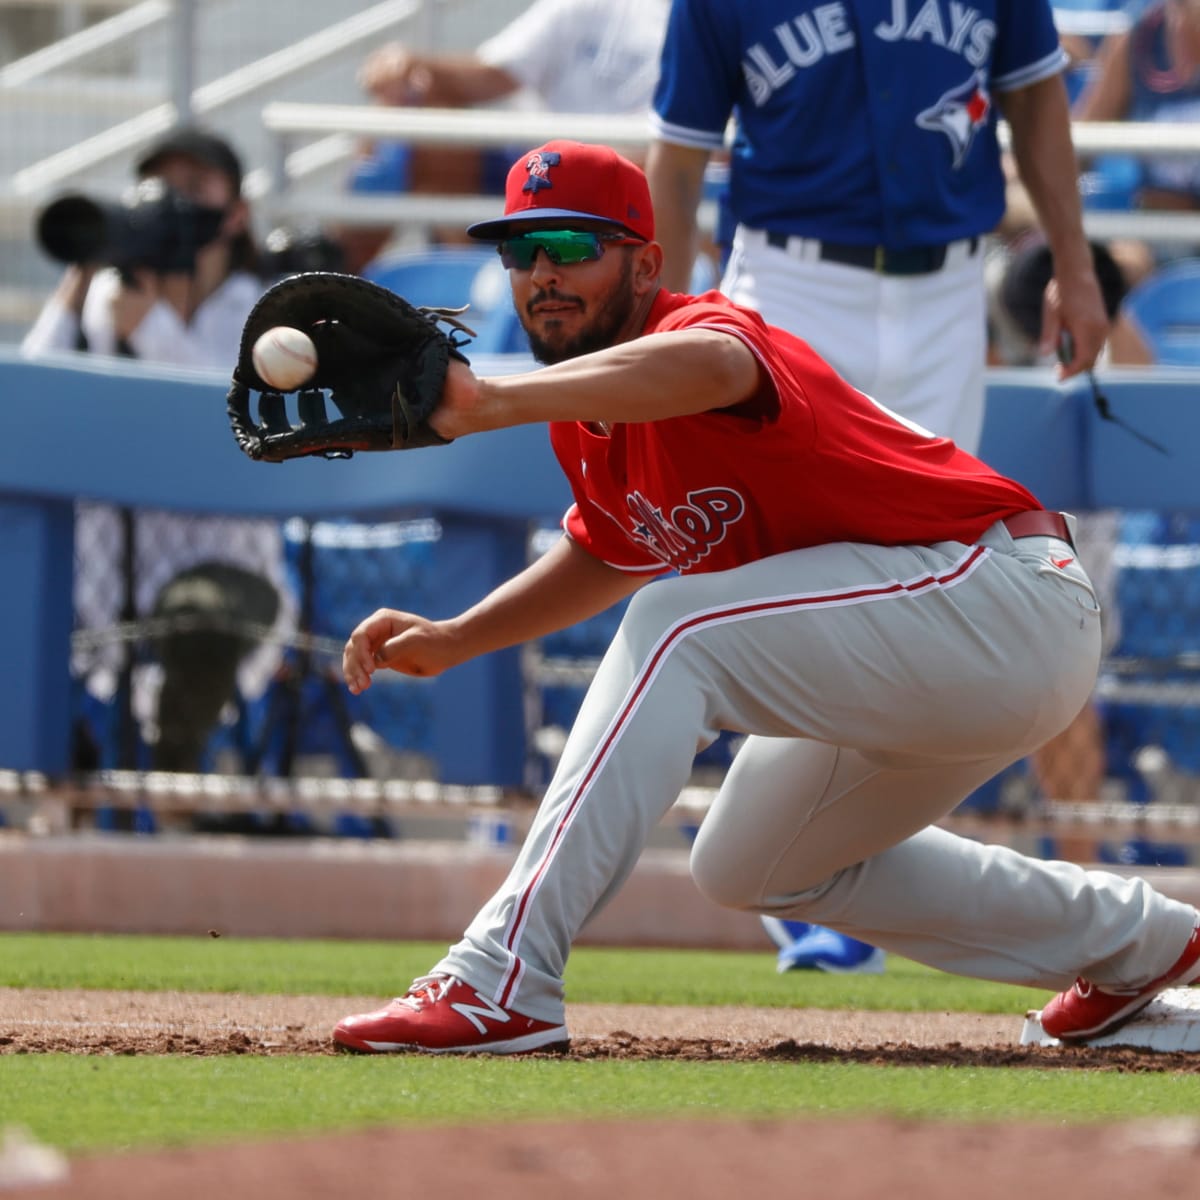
(573, 181)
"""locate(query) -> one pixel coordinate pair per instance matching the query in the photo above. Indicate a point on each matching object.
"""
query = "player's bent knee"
(724, 882)
(730, 881)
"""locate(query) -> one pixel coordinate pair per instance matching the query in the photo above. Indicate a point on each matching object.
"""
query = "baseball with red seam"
(285, 358)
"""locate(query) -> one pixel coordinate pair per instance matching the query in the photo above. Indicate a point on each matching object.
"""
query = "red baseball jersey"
(807, 460)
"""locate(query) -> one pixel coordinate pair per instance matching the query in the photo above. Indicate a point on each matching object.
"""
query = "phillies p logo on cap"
(571, 182)
(538, 165)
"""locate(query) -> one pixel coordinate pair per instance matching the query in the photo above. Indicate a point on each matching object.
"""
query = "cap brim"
(499, 229)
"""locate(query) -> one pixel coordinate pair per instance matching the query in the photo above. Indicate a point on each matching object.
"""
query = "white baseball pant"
(916, 343)
(880, 685)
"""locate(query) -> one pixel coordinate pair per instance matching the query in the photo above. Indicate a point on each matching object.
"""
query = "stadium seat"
(339, 566)
(451, 276)
(1166, 309)
(1151, 683)
(1111, 183)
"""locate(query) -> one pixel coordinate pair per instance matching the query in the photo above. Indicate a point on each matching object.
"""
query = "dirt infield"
(831, 1159)
(90, 1022)
(665, 1160)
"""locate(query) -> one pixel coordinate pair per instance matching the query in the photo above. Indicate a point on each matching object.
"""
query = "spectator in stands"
(1151, 72)
(1017, 277)
(187, 310)
(564, 56)
(1072, 765)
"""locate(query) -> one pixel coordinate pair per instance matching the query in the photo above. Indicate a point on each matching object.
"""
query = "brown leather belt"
(1039, 523)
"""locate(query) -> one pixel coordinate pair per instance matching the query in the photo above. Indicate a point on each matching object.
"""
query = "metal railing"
(84, 45)
(124, 139)
(57, 805)
(1090, 23)
(289, 123)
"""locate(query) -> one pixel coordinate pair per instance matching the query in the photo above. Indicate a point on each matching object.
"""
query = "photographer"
(171, 274)
(167, 276)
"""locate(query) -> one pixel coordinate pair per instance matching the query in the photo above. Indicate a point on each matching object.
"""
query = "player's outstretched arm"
(650, 378)
(564, 586)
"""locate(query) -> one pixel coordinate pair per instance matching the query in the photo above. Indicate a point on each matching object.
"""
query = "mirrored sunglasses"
(563, 247)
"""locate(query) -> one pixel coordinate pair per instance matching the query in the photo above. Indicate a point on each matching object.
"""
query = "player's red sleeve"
(748, 327)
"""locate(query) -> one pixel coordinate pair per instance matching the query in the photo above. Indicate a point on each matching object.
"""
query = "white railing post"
(182, 82)
(425, 26)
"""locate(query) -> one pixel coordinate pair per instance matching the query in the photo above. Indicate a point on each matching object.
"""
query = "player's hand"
(460, 409)
(398, 641)
(1074, 322)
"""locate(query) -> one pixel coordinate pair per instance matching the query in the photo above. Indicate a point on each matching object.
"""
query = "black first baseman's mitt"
(380, 361)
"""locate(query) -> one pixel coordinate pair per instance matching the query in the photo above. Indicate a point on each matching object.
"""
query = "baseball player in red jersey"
(887, 619)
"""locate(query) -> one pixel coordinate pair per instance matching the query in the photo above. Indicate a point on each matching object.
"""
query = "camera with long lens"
(153, 227)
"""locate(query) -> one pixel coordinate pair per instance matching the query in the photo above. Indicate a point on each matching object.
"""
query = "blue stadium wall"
(158, 438)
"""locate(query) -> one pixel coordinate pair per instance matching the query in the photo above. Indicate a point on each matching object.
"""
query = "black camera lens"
(75, 229)
(154, 228)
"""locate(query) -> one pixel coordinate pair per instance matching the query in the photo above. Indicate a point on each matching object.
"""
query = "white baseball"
(285, 357)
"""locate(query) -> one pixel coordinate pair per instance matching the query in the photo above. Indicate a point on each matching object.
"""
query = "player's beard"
(602, 331)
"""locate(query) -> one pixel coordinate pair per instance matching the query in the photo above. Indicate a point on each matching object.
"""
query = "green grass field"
(90, 1102)
(594, 976)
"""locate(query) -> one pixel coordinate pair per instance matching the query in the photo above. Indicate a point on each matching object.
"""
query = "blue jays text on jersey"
(860, 121)
(828, 29)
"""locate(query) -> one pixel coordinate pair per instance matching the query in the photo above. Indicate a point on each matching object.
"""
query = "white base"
(1171, 1021)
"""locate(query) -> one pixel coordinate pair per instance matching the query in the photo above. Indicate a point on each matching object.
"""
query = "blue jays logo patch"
(960, 114)
(538, 165)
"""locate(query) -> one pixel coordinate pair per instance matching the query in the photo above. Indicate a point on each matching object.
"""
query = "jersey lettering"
(928, 22)
(802, 44)
(692, 529)
(804, 40)
(983, 33)
(962, 21)
(807, 38)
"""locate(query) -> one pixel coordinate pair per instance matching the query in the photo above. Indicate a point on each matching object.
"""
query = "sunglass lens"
(563, 248)
(517, 253)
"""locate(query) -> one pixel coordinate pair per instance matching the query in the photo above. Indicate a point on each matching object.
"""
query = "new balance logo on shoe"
(473, 1012)
(441, 1014)
(1085, 1011)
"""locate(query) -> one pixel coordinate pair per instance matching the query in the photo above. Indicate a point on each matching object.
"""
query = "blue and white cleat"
(813, 947)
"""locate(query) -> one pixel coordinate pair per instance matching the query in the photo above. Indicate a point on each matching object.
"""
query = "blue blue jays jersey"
(860, 121)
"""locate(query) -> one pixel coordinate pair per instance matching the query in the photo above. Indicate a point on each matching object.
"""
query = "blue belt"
(920, 260)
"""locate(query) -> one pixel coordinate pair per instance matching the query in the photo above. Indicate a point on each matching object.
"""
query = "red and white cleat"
(443, 1015)
(1085, 1011)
